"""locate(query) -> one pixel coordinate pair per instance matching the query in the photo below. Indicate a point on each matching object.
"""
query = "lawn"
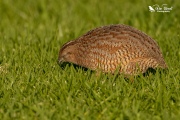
(33, 86)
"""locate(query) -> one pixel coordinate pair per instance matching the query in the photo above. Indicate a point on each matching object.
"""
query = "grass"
(33, 86)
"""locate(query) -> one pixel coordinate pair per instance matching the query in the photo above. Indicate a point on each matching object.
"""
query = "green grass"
(33, 86)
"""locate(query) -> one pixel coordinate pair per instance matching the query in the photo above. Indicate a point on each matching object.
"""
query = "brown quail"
(114, 47)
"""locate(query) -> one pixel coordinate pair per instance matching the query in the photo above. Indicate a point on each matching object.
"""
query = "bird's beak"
(60, 61)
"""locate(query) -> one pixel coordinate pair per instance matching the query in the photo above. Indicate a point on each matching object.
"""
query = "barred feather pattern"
(113, 47)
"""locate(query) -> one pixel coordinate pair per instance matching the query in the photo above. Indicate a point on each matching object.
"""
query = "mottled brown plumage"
(113, 47)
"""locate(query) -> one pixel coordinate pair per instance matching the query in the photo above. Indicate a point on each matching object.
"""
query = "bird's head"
(67, 53)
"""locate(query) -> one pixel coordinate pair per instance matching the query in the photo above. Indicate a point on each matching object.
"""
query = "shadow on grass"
(65, 64)
(154, 71)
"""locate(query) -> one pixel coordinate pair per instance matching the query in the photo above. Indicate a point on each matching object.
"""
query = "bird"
(151, 9)
(112, 48)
